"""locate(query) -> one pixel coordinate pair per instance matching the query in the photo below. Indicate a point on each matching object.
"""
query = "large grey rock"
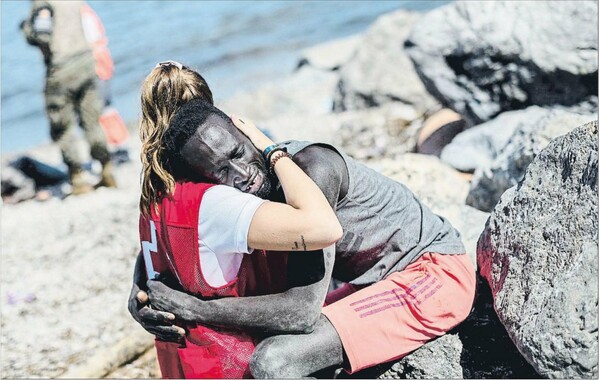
(439, 359)
(390, 133)
(539, 253)
(482, 58)
(439, 186)
(374, 133)
(478, 146)
(508, 168)
(330, 55)
(380, 71)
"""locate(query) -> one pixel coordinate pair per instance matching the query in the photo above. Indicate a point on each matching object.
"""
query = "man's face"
(219, 152)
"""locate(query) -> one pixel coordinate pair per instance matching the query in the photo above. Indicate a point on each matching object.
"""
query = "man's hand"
(170, 301)
(158, 323)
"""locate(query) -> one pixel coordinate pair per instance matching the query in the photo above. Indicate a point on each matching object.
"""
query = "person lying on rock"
(408, 277)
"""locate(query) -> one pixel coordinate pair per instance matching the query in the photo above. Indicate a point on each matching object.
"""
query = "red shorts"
(397, 315)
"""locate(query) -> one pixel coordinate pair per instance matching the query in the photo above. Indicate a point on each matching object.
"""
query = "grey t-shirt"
(385, 226)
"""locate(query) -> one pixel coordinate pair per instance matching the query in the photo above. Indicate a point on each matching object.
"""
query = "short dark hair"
(184, 124)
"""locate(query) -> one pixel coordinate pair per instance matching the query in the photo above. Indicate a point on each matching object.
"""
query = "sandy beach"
(68, 265)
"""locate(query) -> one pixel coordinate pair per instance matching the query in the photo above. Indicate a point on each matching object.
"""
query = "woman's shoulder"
(224, 218)
(223, 191)
(218, 196)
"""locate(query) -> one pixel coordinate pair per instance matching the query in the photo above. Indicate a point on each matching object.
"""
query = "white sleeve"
(225, 217)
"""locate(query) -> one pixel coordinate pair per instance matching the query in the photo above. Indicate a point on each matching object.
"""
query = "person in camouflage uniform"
(71, 90)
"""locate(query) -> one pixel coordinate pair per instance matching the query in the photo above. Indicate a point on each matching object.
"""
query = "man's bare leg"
(294, 356)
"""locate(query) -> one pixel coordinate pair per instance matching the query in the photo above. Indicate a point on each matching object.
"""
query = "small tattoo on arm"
(296, 247)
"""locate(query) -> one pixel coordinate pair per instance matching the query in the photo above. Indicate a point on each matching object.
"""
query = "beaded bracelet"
(272, 152)
(283, 154)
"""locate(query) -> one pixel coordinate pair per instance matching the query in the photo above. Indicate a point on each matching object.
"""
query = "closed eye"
(239, 153)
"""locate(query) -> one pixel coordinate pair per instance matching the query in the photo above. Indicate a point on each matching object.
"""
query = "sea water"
(235, 45)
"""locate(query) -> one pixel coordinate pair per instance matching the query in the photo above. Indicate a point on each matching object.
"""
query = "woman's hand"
(247, 127)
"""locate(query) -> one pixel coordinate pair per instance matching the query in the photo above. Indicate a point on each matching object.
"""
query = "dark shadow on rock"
(368, 373)
(488, 351)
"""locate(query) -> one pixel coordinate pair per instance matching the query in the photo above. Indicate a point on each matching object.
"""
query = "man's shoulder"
(319, 157)
(325, 165)
(306, 150)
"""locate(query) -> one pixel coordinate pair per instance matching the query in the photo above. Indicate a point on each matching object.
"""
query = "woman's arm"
(306, 223)
(293, 311)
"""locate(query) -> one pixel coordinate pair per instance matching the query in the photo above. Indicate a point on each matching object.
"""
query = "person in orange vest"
(71, 92)
(110, 120)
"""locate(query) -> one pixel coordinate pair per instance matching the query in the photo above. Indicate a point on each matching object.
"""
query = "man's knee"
(269, 361)
(463, 305)
(470, 285)
(265, 363)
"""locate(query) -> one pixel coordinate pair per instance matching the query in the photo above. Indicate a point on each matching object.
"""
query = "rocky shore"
(520, 183)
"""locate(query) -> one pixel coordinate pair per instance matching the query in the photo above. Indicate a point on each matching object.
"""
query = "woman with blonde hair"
(168, 86)
(208, 236)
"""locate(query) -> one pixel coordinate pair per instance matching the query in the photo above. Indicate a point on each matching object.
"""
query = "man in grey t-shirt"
(408, 277)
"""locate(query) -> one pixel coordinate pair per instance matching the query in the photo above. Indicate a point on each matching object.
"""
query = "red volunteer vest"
(169, 242)
(96, 37)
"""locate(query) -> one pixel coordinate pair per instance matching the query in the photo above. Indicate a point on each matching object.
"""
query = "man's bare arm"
(295, 310)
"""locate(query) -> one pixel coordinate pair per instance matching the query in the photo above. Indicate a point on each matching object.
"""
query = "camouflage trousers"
(72, 96)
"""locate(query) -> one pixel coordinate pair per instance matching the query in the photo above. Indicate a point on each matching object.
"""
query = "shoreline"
(229, 54)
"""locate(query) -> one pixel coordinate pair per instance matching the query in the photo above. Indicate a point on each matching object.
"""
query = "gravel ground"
(67, 266)
(144, 367)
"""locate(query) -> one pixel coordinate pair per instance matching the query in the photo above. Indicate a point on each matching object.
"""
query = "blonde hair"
(164, 91)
